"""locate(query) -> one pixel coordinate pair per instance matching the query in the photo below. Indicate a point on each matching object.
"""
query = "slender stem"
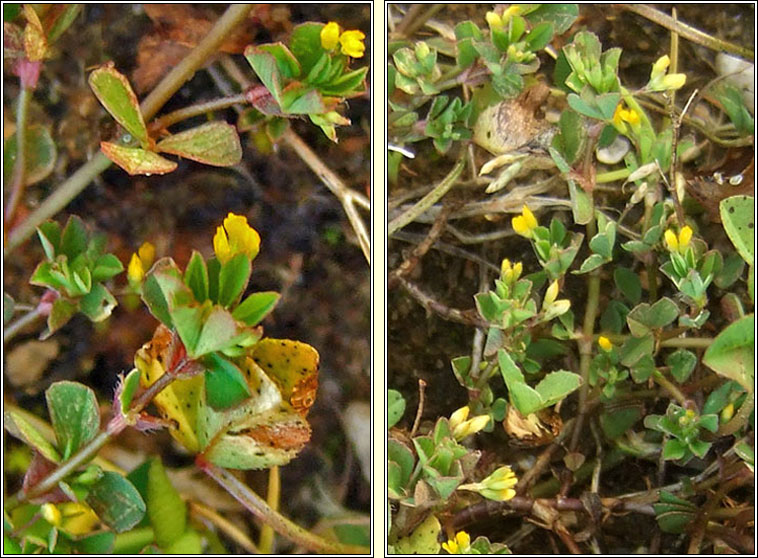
(348, 198)
(67, 191)
(194, 110)
(11, 330)
(18, 180)
(689, 33)
(612, 176)
(428, 200)
(257, 506)
(81, 457)
(664, 382)
(266, 541)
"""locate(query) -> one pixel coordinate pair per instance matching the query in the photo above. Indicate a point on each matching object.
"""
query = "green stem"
(428, 200)
(258, 507)
(664, 382)
(689, 33)
(18, 181)
(11, 330)
(67, 191)
(195, 110)
(612, 176)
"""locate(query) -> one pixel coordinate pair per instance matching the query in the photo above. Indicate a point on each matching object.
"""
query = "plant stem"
(11, 330)
(689, 33)
(347, 197)
(258, 507)
(67, 191)
(194, 110)
(664, 382)
(428, 200)
(266, 541)
(612, 176)
(225, 526)
(18, 180)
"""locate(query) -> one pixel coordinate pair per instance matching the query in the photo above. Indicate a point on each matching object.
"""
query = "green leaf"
(256, 307)
(196, 277)
(188, 544)
(556, 386)
(188, 321)
(137, 161)
(106, 266)
(74, 238)
(583, 107)
(74, 413)
(19, 427)
(562, 16)
(682, 363)
(423, 539)
(49, 234)
(115, 93)
(40, 155)
(152, 296)
(214, 143)
(63, 310)
(62, 21)
(165, 508)
(738, 217)
(130, 385)
(225, 384)
(634, 348)
(233, 278)
(674, 514)
(395, 407)
(539, 36)
(731, 353)
(9, 308)
(305, 43)
(628, 283)
(616, 421)
(582, 206)
(219, 332)
(116, 502)
(645, 317)
(98, 543)
(98, 304)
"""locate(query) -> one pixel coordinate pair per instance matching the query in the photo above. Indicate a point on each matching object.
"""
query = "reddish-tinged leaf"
(214, 143)
(137, 161)
(115, 93)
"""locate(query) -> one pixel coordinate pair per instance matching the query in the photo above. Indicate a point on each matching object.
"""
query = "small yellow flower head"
(51, 514)
(458, 417)
(78, 518)
(330, 35)
(140, 262)
(510, 273)
(678, 243)
(660, 66)
(458, 545)
(660, 81)
(605, 343)
(494, 20)
(463, 428)
(510, 12)
(525, 223)
(352, 43)
(234, 237)
(498, 486)
(550, 295)
(621, 115)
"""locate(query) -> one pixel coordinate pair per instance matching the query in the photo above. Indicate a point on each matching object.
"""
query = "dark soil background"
(308, 251)
(421, 343)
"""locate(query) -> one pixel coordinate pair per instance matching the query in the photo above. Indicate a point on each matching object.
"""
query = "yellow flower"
(462, 428)
(678, 243)
(78, 518)
(622, 115)
(510, 273)
(525, 223)
(550, 295)
(352, 43)
(234, 237)
(605, 343)
(458, 545)
(498, 486)
(494, 20)
(140, 263)
(330, 35)
(51, 514)
(660, 81)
